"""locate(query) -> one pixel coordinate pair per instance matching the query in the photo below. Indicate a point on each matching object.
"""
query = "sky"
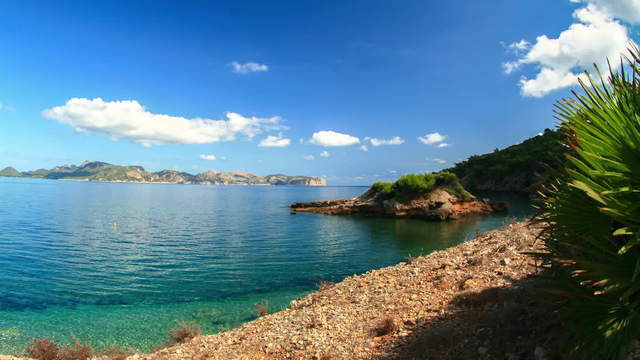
(354, 91)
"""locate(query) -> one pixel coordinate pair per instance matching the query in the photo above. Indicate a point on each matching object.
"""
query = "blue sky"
(131, 82)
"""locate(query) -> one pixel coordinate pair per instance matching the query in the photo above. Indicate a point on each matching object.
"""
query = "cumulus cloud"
(325, 154)
(208, 157)
(441, 145)
(131, 121)
(625, 10)
(596, 36)
(274, 141)
(364, 148)
(309, 157)
(248, 67)
(432, 138)
(332, 138)
(381, 142)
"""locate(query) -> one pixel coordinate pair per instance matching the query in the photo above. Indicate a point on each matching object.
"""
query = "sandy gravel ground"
(474, 301)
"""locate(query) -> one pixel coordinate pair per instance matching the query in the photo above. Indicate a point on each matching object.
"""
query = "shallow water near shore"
(120, 263)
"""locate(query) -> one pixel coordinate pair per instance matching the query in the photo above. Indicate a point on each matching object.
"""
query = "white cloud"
(325, 154)
(309, 157)
(364, 148)
(332, 138)
(442, 145)
(520, 45)
(432, 138)
(595, 37)
(248, 67)
(208, 157)
(129, 120)
(275, 141)
(625, 10)
(7, 108)
(439, 161)
(381, 142)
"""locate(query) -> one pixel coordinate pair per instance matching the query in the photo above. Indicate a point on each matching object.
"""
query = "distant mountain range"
(101, 171)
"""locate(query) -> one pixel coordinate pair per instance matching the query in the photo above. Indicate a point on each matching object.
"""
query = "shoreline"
(339, 320)
(444, 292)
(151, 182)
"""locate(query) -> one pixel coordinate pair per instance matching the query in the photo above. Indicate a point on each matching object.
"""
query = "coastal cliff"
(101, 171)
(429, 196)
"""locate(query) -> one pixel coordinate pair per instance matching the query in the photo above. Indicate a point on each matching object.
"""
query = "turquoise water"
(120, 263)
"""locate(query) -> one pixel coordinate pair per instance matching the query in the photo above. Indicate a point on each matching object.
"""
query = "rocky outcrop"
(175, 177)
(437, 205)
(280, 179)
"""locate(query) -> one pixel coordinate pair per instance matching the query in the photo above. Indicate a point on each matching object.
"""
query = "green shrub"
(413, 185)
(593, 213)
(385, 188)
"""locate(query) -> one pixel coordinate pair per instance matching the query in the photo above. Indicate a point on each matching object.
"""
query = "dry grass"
(324, 285)
(185, 332)
(115, 353)
(410, 259)
(45, 349)
(314, 322)
(42, 349)
(262, 308)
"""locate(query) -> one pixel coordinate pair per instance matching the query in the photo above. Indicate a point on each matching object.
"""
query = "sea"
(120, 263)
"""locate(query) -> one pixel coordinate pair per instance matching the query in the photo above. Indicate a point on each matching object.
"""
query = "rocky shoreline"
(437, 205)
(477, 300)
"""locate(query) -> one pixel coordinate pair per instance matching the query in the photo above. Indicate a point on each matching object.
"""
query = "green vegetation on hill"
(412, 186)
(520, 167)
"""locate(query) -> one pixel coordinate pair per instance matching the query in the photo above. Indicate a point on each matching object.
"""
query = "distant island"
(434, 196)
(105, 172)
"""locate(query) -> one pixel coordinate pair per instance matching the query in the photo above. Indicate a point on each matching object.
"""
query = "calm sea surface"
(121, 263)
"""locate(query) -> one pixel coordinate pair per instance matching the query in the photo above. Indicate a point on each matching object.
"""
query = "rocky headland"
(443, 198)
